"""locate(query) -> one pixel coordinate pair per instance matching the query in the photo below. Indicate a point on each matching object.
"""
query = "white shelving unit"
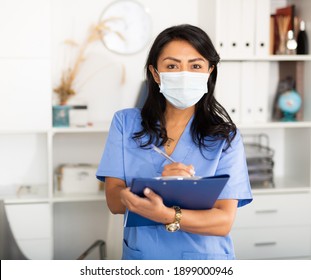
(277, 224)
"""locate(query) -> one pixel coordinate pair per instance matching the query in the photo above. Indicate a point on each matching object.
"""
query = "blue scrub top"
(124, 159)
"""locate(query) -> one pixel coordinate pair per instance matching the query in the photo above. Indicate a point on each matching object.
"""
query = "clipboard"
(188, 193)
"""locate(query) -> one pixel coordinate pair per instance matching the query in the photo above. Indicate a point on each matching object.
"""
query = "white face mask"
(183, 89)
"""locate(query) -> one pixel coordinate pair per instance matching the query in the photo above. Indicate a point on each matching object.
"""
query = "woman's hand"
(178, 169)
(151, 206)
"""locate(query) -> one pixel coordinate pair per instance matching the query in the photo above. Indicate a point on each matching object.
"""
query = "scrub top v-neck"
(123, 158)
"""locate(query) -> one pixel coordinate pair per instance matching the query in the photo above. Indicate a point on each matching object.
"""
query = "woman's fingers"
(178, 169)
(138, 204)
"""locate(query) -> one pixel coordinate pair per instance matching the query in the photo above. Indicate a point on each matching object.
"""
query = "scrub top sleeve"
(111, 163)
(233, 162)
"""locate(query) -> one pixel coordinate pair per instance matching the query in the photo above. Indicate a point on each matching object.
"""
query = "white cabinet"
(274, 226)
(47, 223)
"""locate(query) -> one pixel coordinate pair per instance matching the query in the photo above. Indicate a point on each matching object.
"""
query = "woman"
(181, 117)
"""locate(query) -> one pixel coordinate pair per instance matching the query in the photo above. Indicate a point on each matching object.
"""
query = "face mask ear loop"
(155, 69)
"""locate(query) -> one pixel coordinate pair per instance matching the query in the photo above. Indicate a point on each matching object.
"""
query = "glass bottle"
(302, 40)
(291, 44)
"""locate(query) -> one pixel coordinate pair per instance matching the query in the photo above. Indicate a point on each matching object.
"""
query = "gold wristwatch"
(172, 227)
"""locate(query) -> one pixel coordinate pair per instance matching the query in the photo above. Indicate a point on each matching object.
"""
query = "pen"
(159, 151)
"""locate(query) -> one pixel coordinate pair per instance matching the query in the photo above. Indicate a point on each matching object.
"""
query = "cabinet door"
(31, 226)
(272, 243)
(275, 210)
(274, 226)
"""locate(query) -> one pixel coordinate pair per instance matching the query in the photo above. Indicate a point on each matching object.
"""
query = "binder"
(222, 22)
(247, 91)
(228, 88)
(261, 90)
(248, 27)
(234, 26)
(262, 32)
(255, 91)
(196, 194)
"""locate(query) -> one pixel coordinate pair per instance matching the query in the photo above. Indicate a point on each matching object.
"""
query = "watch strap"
(172, 227)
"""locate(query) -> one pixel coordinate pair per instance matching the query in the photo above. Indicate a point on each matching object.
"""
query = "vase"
(61, 115)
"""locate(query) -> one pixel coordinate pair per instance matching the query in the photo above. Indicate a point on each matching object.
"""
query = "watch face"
(128, 27)
(173, 227)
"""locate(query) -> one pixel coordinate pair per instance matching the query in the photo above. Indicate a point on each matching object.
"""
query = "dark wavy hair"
(210, 118)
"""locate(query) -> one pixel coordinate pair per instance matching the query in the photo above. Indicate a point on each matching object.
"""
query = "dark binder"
(188, 193)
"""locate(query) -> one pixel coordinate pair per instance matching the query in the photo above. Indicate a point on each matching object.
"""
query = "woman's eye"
(196, 66)
(171, 66)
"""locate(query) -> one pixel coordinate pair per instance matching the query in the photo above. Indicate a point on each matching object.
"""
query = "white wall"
(103, 91)
(33, 55)
(25, 76)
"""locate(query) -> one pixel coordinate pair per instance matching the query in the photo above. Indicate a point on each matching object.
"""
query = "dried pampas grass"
(65, 89)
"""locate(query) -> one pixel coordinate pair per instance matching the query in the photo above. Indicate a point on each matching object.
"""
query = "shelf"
(281, 190)
(24, 194)
(270, 58)
(305, 124)
(24, 131)
(96, 128)
(284, 185)
(11, 200)
(78, 197)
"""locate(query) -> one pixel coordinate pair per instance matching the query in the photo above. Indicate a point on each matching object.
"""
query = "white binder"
(222, 18)
(261, 98)
(247, 91)
(242, 27)
(248, 27)
(227, 89)
(254, 91)
(262, 32)
(234, 26)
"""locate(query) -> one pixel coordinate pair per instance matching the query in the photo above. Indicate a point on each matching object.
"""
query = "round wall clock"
(128, 26)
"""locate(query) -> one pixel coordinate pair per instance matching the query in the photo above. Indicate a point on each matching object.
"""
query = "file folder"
(187, 193)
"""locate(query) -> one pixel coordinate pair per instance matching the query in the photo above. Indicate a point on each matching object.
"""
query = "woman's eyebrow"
(171, 58)
(178, 60)
(196, 59)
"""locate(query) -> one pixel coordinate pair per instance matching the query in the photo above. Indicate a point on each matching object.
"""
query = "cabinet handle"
(261, 244)
(267, 211)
